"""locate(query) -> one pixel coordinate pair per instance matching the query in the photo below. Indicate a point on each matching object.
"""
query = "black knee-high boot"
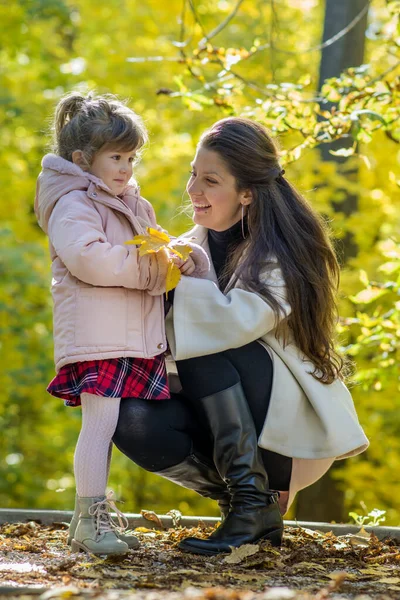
(198, 474)
(140, 426)
(254, 514)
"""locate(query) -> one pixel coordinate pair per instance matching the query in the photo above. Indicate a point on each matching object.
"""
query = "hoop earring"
(243, 234)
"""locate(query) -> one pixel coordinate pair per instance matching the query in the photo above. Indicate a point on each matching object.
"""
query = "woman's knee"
(137, 426)
(152, 434)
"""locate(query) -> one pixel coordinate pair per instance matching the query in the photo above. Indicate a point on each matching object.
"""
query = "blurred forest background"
(324, 77)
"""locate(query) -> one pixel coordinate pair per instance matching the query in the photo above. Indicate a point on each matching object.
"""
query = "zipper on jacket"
(162, 320)
(124, 209)
(204, 462)
(143, 323)
(162, 315)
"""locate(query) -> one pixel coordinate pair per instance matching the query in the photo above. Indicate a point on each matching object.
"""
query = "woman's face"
(216, 202)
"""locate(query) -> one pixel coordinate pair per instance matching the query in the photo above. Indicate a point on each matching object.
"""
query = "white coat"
(307, 420)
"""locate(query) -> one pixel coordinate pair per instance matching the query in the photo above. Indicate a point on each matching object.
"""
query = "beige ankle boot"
(95, 531)
(131, 540)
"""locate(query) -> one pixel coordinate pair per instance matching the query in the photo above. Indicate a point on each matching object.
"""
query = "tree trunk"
(323, 501)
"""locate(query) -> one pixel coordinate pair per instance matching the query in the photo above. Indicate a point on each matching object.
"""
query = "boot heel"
(76, 547)
(275, 537)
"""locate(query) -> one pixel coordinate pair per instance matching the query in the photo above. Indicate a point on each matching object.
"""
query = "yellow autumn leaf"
(154, 241)
(180, 249)
(150, 242)
(173, 277)
(160, 235)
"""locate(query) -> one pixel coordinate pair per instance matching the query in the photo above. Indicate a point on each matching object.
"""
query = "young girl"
(109, 332)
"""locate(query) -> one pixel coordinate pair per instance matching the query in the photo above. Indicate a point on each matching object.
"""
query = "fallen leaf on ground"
(238, 554)
(150, 515)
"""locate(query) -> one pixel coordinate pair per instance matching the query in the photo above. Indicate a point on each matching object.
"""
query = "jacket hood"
(57, 178)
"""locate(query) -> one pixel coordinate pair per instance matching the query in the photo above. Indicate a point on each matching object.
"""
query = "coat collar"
(96, 188)
(199, 235)
(66, 167)
(60, 176)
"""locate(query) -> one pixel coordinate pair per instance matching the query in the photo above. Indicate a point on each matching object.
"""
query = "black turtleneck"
(221, 243)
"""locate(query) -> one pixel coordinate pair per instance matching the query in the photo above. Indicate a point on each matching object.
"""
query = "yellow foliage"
(155, 241)
(51, 48)
(173, 277)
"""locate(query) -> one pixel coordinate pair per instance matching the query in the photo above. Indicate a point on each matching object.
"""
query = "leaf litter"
(35, 562)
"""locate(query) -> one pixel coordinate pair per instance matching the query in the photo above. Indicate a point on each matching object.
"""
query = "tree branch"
(325, 44)
(221, 26)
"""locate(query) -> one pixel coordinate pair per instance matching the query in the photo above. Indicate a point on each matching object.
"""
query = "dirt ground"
(36, 563)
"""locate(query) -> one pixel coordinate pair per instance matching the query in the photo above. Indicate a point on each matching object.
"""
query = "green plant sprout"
(373, 518)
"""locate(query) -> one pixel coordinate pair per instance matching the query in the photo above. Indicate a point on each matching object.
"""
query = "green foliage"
(357, 104)
(373, 518)
(182, 71)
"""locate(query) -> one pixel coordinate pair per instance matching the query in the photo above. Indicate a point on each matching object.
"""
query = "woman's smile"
(212, 189)
(199, 208)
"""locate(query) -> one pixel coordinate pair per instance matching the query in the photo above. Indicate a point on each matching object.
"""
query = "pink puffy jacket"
(108, 301)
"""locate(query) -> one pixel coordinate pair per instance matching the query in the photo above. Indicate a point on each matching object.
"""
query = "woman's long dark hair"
(283, 225)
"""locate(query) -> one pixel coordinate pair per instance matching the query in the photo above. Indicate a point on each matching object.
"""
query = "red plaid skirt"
(115, 378)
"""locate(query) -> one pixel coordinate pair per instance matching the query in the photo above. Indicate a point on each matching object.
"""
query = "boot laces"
(104, 521)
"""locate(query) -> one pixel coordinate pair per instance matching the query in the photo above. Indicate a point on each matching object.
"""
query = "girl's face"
(212, 189)
(113, 168)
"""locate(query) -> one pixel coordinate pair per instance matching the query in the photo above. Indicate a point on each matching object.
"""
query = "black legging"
(157, 435)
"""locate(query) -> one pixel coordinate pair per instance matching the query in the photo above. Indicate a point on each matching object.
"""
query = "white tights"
(94, 447)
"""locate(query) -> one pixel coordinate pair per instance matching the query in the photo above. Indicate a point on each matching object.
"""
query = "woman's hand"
(186, 267)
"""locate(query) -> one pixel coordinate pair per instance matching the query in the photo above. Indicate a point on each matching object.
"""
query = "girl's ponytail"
(66, 110)
(89, 123)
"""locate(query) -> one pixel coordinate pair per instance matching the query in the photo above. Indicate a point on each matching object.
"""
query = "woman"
(253, 345)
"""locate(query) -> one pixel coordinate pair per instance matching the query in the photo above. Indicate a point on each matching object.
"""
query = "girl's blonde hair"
(91, 123)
